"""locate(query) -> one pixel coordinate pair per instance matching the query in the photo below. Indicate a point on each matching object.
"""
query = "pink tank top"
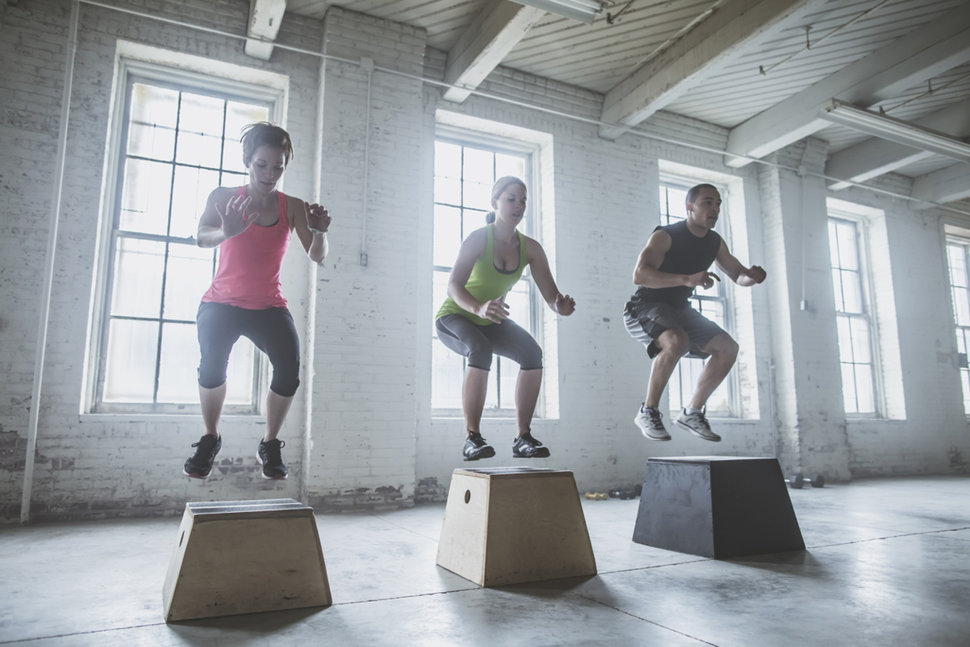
(249, 265)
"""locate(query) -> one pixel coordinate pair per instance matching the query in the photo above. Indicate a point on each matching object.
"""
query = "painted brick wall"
(367, 436)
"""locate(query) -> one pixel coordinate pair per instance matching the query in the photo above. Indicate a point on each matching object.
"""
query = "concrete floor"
(888, 563)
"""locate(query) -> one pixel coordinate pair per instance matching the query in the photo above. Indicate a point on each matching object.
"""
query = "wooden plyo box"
(238, 557)
(717, 506)
(511, 525)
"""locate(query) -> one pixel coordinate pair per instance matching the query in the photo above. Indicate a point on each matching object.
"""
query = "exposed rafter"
(906, 62)
(712, 43)
(265, 17)
(483, 45)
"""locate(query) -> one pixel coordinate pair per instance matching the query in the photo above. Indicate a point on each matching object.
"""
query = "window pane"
(154, 114)
(200, 130)
(863, 381)
(447, 191)
(178, 377)
(446, 377)
(845, 338)
(188, 277)
(478, 167)
(961, 302)
(958, 265)
(477, 194)
(137, 288)
(509, 165)
(852, 293)
(447, 235)
(471, 219)
(239, 383)
(190, 190)
(848, 249)
(144, 197)
(862, 348)
(849, 389)
(130, 370)
(447, 160)
(838, 289)
(519, 306)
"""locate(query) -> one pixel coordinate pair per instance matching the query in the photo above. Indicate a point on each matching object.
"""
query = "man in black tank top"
(676, 260)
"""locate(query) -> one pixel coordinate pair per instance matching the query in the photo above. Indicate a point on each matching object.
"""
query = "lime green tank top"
(486, 282)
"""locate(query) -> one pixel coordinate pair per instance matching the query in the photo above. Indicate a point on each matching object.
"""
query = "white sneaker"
(650, 422)
(698, 424)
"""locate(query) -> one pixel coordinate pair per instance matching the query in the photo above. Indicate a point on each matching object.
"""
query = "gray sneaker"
(650, 422)
(698, 424)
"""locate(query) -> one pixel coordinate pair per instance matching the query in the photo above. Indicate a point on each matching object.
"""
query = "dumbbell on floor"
(798, 481)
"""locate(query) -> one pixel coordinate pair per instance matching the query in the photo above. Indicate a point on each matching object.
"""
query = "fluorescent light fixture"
(895, 130)
(581, 10)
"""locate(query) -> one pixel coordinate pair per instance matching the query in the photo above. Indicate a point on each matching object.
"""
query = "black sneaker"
(476, 447)
(525, 446)
(199, 465)
(269, 457)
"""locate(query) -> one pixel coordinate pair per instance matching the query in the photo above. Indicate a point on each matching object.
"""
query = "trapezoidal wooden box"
(238, 557)
(511, 525)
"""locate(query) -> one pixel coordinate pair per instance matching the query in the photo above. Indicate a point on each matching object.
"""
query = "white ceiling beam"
(711, 44)
(483, 45)
(946, 185)
(265, 17)
(906, 62)
(875, 157)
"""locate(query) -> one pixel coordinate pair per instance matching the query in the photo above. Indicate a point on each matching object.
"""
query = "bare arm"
(473, 247)
(224, 216)
(536, 256)
(311, 222)
(744, 276)
(647, 272)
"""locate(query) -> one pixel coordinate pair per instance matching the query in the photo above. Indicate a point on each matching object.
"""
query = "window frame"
(963, 242)
(471, 138)
(129, 72)
(868, 314)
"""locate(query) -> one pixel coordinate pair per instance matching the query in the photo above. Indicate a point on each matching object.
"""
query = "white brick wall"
(371, 432)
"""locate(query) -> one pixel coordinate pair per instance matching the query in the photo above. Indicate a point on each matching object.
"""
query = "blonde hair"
(498, 189)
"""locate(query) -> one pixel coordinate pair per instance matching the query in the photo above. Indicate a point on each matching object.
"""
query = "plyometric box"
(238, 557)
(717, 507)
(510, 525)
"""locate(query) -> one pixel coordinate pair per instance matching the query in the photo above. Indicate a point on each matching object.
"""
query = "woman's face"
(510, 204)
(266, 168)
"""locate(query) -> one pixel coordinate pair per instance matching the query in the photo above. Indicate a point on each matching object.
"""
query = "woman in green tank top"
(474, 319)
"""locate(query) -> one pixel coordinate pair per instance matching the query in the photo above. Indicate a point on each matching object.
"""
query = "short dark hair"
(263, 133)
(694, 190)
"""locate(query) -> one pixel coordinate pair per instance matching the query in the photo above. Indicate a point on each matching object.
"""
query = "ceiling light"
(581, 10)
(895, 130)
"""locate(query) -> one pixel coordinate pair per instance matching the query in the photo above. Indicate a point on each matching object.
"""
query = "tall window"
(957, 255)
(853, 315)
(177, 144)
(710, 302)
(464, 174)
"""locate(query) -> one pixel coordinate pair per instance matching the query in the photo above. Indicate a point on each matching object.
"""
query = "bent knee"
(724, 346)
(674, 341)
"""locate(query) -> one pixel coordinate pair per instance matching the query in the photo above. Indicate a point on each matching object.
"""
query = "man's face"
(705, 208)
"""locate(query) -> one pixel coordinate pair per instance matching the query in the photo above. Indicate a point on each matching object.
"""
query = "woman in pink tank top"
(252, 225)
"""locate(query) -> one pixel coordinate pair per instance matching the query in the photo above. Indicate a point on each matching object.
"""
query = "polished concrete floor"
(887, 563)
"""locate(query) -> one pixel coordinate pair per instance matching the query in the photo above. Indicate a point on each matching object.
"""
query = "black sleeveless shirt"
(688, 254)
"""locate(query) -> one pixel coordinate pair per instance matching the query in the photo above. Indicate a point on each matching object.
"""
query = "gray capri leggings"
(477, 343)
(271, 330)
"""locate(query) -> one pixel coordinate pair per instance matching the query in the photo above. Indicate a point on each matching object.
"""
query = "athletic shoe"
(199, 465)
(476, 447)
(525, 446)
(698, 424)
(269, 457)
(650, 422)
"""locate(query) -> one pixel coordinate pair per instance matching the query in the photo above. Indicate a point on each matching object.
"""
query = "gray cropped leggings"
(478, 343)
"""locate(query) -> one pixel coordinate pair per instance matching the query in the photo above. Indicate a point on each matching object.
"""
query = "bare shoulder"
(223, 193)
